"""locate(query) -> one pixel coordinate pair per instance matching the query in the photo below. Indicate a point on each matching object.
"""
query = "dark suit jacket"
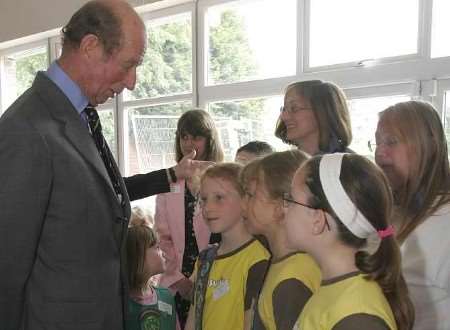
(148, 184)
(62, 230)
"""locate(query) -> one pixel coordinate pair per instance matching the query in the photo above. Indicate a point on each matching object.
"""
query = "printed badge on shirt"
(220, 287)
(165, 307)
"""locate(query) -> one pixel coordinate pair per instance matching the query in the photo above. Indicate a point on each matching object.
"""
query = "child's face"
(258, 208)
(154, 262)
(189, 143)
(221, 205)
(244, 157)
(299, 218)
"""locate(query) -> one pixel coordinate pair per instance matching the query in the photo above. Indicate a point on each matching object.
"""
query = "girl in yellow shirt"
(339, 204)
(293, 276)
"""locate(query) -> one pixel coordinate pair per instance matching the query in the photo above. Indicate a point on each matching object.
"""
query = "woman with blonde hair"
(315, 118)
(412, 151)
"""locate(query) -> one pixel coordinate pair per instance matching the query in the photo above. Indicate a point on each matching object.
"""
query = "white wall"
(19, 18)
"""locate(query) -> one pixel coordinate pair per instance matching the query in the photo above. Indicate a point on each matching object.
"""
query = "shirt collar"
(68, 87)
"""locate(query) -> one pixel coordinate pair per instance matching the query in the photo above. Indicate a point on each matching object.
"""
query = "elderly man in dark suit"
(64, 207)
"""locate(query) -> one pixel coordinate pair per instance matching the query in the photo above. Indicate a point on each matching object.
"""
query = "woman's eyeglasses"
(389, 142)
(293, 110)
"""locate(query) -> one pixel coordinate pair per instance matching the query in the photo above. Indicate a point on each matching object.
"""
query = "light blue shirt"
(68, 87)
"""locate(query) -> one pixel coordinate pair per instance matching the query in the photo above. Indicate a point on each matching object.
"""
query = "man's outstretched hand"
(187, 167)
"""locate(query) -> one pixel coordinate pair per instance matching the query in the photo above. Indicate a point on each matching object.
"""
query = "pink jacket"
(169, 224)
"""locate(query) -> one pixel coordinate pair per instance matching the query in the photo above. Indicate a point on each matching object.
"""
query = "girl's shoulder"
(252, 249)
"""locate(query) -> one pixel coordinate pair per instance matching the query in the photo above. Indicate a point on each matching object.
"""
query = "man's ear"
(91, 47)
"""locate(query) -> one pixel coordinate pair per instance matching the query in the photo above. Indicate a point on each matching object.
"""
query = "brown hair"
(259, 148)
(198, 122)
(97, 18)
(140, 238)
(275, 171)
(329, 105)
(225, 171)
(427, 188)
(368, 188)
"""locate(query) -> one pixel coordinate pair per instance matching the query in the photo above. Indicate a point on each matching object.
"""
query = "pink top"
(169, 224)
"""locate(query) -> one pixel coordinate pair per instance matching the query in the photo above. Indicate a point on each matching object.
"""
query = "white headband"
(342, 205)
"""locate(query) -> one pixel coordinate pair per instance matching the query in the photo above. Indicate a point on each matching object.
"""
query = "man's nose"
(130, 79)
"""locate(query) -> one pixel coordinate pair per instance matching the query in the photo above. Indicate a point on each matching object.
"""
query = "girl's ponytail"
(384, 267)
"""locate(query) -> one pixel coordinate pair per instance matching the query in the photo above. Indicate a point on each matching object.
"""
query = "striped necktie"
(95, 128)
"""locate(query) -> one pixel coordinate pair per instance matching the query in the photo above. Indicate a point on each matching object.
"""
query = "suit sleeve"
(145, 185)
(172, 274)
(25, 184)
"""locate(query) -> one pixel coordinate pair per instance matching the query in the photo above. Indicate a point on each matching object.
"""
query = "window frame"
(122, 105)
(417, 75)
(425, 8)
(43, 42)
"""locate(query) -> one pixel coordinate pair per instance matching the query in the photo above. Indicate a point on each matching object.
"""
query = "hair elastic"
(389, 231)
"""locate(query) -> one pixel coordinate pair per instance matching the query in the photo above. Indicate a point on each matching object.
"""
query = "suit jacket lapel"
(75, 130)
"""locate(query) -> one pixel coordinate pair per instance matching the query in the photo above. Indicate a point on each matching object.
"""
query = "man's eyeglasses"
(293, 110)
(388, 142)
(288, 199)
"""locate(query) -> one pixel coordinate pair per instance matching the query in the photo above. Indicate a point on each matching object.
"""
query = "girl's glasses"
(288, 199)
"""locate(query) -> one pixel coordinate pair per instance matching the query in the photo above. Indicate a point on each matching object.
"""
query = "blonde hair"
(226, 171)
(330, 109)
(275, 171)
(418, 125)
(140, 237)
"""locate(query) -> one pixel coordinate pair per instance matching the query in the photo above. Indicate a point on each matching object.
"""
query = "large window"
(446, 117)
(108, 121)
(249, 40)
(234, 58)
(440, 45)
(364, 117)
(151, 136)
(18, 70)
(357, 30)
(241, 121)
(167, 65)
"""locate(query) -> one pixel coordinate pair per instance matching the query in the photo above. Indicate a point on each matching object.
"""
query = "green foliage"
(167, 66)
(26, 69)
(107, 120)
(251, 109)
(231, 60)
(230, 56)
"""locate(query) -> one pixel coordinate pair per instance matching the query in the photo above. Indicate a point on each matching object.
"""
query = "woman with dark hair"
(315, 118)
(178, 222)
(412, 151)
(339, 204)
